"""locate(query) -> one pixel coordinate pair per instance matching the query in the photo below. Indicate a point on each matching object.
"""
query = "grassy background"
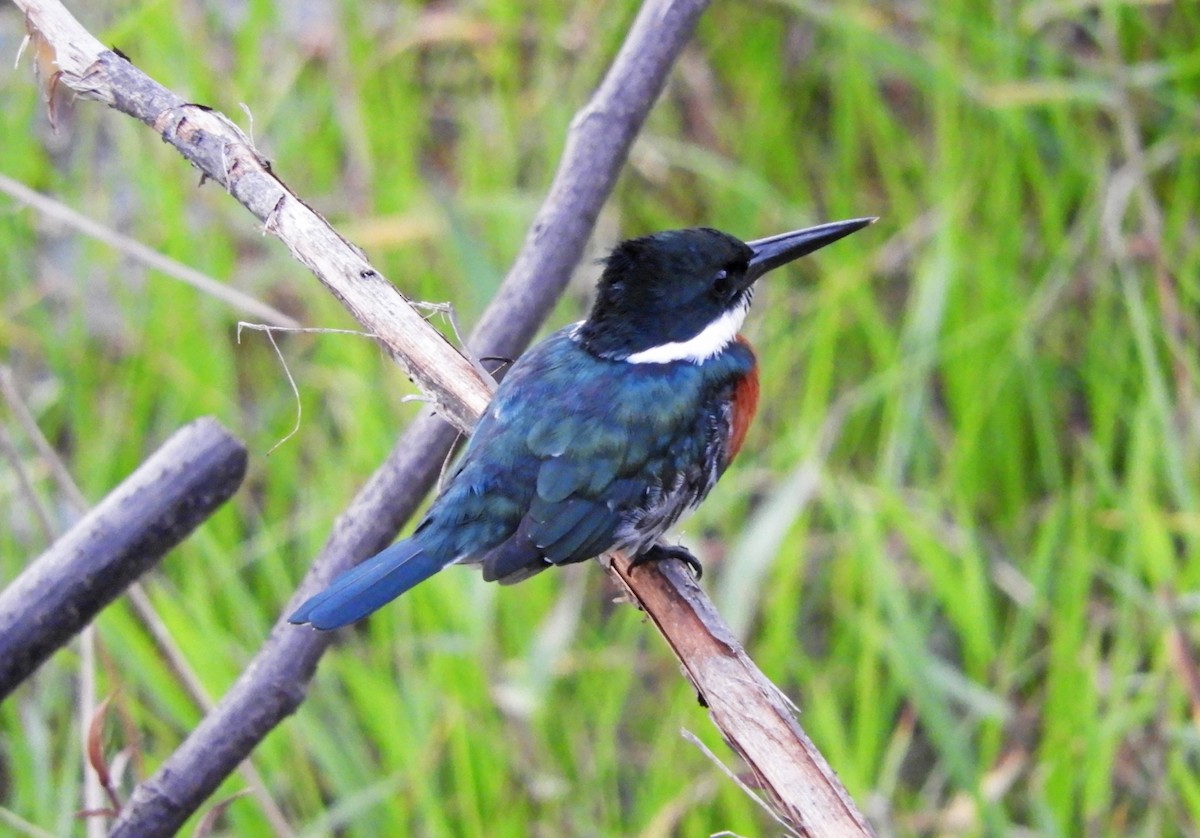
(963, 535)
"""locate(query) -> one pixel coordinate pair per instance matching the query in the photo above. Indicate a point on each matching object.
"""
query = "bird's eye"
(720, 283)
(723, 284)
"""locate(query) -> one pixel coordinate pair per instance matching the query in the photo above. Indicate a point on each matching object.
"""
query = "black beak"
(773, 251)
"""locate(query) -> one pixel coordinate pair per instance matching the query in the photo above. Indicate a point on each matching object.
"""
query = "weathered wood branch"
(217, 147)
(756, 719)
(195, 471)
(750, 711)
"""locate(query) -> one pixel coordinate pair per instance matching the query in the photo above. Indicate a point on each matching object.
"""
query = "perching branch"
(751, 713)
(156, 507)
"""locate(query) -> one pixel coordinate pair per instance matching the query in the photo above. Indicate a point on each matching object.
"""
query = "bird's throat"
(709, 343)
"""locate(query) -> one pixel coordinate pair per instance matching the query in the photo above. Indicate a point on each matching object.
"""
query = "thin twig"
(736, 780)
(10, 452)
(286, 371)
(301, 330)
(271, 330)
(62, 476)
(93, 789)
(93, 795)
(137, 251)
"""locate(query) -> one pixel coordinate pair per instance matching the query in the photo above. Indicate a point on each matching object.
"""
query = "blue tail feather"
(366, 588)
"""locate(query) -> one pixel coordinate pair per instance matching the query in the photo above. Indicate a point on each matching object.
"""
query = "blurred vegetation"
(963, 535)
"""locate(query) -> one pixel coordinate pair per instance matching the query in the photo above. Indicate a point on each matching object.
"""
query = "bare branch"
(757, 720)
(193, 473)
(176, 662)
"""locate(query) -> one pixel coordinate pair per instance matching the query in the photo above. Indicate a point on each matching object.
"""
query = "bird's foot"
(660, 552)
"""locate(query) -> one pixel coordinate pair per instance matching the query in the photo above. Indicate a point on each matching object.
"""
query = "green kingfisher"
(606, 432)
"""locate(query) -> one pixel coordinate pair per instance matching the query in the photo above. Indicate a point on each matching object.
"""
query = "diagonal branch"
(753, 715)
(60, 592)
(217, 147)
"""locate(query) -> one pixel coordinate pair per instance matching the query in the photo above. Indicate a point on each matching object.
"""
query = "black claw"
(660, 552)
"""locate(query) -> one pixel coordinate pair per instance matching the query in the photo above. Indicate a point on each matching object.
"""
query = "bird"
(606, 432)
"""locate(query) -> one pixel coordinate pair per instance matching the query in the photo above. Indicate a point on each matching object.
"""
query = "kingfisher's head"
(682, 294)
